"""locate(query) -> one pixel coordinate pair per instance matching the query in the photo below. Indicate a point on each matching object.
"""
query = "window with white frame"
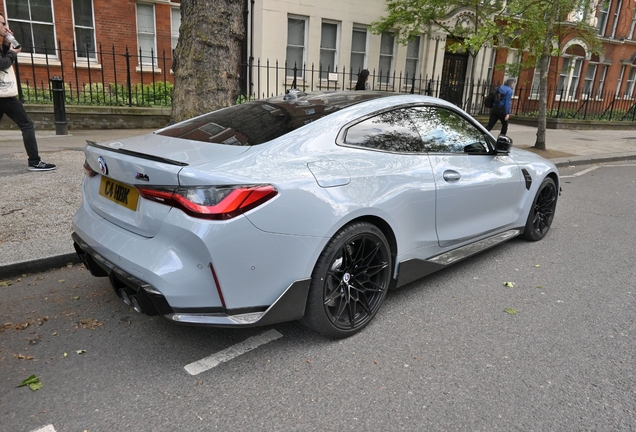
(328, 48)
(629, 88)
(602, 16)
(534, 89)
(358, 50)
(569, 77)
(412, 60)
(581, 11)
(619, 83)
(387, 47)
(601, 81)
(296, 37)
(32, 24)
(512, 64)
(616, 14)
(84, 29)
(588, 82)
(175, 24)
(146, 33)
(491, 65)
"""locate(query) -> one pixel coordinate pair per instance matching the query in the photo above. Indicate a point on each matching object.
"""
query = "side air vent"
(528, 178)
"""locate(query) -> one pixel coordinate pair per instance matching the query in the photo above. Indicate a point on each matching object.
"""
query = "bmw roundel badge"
(102, 165)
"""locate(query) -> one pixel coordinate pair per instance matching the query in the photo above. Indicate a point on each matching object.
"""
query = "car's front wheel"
(349, 282)
(542, 211)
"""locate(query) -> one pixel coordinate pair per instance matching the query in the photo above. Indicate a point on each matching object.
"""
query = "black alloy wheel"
(542, 211)
(349, 282)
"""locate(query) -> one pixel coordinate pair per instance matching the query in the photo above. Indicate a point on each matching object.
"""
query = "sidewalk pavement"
(36, 207)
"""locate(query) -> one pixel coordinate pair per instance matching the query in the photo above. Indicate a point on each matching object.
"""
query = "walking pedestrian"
(13, 108)
(501, 109)
(363, 78)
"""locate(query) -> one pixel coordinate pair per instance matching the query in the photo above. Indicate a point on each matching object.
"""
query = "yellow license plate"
(120, 193)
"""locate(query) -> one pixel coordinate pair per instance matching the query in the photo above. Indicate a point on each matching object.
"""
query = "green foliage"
(475, 24)
(571, 114)
(241, 99)
(149, 95)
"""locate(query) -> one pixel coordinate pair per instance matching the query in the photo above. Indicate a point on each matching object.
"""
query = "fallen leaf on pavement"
(33, 382)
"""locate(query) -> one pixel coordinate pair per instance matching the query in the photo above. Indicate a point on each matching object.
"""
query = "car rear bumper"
(144, 298)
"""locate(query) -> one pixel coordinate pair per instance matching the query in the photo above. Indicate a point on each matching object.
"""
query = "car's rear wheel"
(349, 282)
(542, 211)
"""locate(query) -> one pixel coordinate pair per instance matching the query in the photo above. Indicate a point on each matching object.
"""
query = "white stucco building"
(330, 41)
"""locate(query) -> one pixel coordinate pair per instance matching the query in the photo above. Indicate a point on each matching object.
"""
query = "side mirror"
(503, 144)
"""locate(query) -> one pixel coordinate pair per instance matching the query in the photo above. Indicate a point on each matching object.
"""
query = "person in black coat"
(362, 83)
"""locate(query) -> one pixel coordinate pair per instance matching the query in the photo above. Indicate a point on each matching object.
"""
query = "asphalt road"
(441, 355)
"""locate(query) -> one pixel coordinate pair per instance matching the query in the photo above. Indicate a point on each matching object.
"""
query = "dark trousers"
(13, 108)
(498, 113)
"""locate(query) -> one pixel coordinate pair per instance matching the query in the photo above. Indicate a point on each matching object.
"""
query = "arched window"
(570, 72)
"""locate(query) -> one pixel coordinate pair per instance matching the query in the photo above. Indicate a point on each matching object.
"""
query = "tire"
(542, 211)
(349, 282)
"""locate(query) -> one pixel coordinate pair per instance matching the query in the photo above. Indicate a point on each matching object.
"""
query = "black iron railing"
(118, 78)
(97, 77)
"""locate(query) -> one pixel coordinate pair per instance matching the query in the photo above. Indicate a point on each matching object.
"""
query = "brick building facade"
(580, 79)
(94, 41)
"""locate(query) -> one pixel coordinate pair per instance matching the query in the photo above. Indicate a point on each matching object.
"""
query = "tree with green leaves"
(207, 57)
(470, 23)
(547, 25)
(540, 27)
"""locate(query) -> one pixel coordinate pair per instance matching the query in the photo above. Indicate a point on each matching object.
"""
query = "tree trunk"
(208, 56)
(544, 64)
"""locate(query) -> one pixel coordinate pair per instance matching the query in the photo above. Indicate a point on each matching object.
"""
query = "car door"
(391, 171)
(477, 191)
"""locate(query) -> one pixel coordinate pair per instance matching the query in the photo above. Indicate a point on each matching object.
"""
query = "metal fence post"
(59, 108)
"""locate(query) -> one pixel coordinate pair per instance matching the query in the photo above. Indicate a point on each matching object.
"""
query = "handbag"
(8, 86)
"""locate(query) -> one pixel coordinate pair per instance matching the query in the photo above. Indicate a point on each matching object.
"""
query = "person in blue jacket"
(501, 110)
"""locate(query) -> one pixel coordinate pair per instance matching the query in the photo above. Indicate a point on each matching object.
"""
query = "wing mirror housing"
(503, 144)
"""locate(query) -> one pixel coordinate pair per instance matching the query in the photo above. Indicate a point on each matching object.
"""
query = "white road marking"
(232, 352)
(47, 428)
(580, 173)
(585, 171)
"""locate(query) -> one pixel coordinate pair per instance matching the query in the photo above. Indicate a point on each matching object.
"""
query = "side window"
(32, 24)
(444, 131)
(392, 131)
(84, 28)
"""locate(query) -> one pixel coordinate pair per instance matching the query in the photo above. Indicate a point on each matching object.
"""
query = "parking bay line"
(47, 428)
(232, 352)
(585, 171)
(580, 173)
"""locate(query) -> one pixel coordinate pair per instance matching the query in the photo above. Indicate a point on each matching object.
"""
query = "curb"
(590, 160)
(44, 264)
(37, 265)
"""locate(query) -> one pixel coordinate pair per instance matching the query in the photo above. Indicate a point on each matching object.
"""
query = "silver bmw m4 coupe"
(308, 206)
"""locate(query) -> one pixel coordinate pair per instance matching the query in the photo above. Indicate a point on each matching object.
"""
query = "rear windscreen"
(261, 121)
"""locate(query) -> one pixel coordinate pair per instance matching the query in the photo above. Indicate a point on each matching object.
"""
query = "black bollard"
(59, 108)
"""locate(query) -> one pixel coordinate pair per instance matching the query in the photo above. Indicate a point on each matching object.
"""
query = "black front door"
(453, 77)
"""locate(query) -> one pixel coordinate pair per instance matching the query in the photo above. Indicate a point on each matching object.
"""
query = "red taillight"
(90, 172)
(211, 202)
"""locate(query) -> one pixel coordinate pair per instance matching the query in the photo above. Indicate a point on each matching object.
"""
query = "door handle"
(451, 176)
